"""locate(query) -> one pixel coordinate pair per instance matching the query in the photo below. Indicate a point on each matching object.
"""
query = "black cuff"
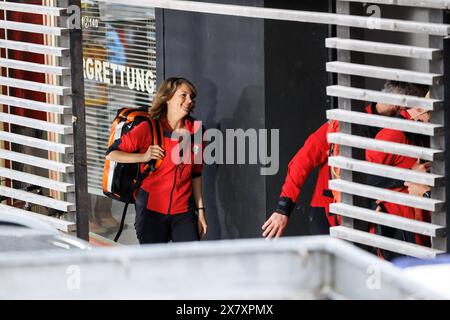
(284, 206)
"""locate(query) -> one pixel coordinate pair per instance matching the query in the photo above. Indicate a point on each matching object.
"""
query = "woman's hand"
(202, 225)
(154, 152)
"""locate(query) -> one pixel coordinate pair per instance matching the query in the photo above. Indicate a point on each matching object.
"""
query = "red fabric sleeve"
(313, 153)
(389, 158)
(137, 140)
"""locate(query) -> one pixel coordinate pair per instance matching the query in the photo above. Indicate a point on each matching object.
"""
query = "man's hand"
(417, 189)
(421, 167)
(275, 225)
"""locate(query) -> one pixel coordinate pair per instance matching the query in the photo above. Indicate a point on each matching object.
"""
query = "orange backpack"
(122, 180)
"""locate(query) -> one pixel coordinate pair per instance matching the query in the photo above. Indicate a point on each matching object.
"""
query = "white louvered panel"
(363, 118)
(31, 8)
(36, 124)
(383, 48)
(65, 226)
(36, 180)
(37, 199)
(436, 4)
(35, 48)
(34, 28)
(382, 97)
(35, 86)
(293, 15)
(386, 171)
(35, 142)
(34, 105)
(383, 73)
(385, 243)
(386, 219)
(385, 146)
(36, 161)
(385, 195)
(36, 67)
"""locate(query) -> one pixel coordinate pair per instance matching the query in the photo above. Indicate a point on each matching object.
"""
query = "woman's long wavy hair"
(166, 91)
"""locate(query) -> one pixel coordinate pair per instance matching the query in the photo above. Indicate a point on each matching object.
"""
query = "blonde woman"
(168, 200)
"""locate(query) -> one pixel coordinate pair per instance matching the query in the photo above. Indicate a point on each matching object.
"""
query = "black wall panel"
(250, 73)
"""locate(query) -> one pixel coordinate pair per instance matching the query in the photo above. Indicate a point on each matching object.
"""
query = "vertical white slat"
(438, 167)
(345, 104)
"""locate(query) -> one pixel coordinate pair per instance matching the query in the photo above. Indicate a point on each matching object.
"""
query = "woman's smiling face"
(182, 101)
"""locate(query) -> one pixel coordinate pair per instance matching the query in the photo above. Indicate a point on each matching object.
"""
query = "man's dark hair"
(406, 88)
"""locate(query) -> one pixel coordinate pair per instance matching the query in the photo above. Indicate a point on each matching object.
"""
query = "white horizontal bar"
(36, 180)
(385, 146)
(405, 248)
(383, 48)
(383, 73)
(387, 219)
(291, 15)
(34, 105)
(379, 121)
(35, 86)
(37, 199)
(36, 161)
(386, 171)
(385, 195)
(65, 226)
(35, 48)
(36, 67)
(35, 142)
(436, 4)
(31, 27)
(36, 124)
(30, 8)
(382, 97)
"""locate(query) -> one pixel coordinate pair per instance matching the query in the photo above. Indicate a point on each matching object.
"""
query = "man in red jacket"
(404, 162)
(314, 153)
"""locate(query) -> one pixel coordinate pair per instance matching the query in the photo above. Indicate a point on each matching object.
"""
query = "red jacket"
(400, 162)
(169, 188)
(314, 153)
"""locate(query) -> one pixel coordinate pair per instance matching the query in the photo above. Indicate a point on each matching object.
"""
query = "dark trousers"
(393, 233)
(318, 222)
(154, 227)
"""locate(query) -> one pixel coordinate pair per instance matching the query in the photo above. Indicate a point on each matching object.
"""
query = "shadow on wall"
(240, 188)
(207, 94)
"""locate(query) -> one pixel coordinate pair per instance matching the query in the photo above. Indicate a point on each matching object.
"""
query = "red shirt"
(169, 188)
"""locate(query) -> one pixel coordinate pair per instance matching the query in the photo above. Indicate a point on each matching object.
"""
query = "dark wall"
(250, 73)
(296, 99)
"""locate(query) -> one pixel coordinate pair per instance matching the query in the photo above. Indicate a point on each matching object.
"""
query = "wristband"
(284, 206)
